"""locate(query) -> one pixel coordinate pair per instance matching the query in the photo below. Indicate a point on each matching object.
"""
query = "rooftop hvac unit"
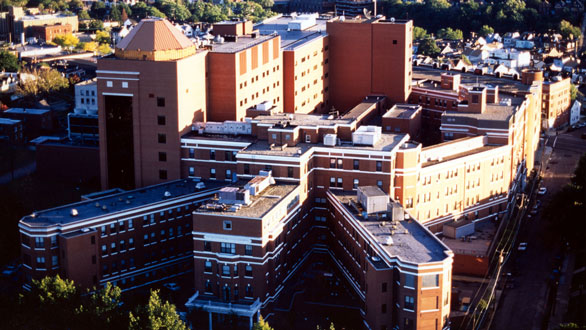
(330, 140)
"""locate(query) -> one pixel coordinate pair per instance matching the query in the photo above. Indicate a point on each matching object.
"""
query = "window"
(54, 260)
(40, 262)
(379, 183)
(163, 174)
(225, 270)
(307, 138)
(146, 239)
(162, 156)
(162, 138)
(160, 101)
(191, 171)
(332, 162)
(208, 266)
(248, 271)
(122, 245)
(39, 243)
(409, 303)
(229, 248)
(227, 225)
(104, 250)
(212, 173)
(112, 228)
(430, 281)
(340, 183)
(408, 324)
(131, 243)
(113, 247)
(340, 163)
(290, 172)
(212, 154)
(228, 175)
(248, 290)
(248, 250)
(356, 164)
(235, 269)
(332, 182)
(246, 169)
(191, 153)
(409, 281)
(207, 246)
(384, 287)
(161, 120)
(355, 184)
(130, 224)
(379, 166)
(208, 286)
(109, 83)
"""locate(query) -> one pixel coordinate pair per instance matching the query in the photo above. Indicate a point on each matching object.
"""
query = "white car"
(542, 191)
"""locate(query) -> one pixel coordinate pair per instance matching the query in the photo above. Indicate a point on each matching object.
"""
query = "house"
(575, 112)
(475, 55)
(510, 38)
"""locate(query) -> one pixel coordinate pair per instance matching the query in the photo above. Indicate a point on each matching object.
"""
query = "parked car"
(522, 246)
(172, 286)
(542, 191)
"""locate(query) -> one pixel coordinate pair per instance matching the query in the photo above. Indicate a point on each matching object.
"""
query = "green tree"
(568, 31)
(419, 33)
(83, 15)
(91, 46)
(266, 4)
(40, 83)
(115, 14)
(8, 62)
(450, 34)
(428, 47)
(156, 315)
(485, 30)
(104, 49)
(261, 325)
(102, 37)
(67, 41)
(101, 309)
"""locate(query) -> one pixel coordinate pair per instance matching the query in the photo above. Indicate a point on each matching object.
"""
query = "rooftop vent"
(167, 194)
(74, 213)
(388, 241)
(200, 185)
(85, 230)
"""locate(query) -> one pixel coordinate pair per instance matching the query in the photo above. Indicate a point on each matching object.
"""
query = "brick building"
(48, 32)
(156, 78)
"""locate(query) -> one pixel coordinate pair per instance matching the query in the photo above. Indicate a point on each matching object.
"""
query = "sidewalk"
(563, 294)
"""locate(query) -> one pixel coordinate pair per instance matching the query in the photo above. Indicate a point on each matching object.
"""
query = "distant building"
(11, 131)
(35, 122)
(48, 32)
(15, 24)
(86, 97)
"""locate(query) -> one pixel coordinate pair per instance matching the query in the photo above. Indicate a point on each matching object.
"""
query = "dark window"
(249, 290)
(246, 169)
(161, 120)
(93, 239)
(248, 270)
(394, 42)
(475, 98)
(340, 163)
(162, 138)
(384, 287)
(162, 156)
(356, 164)
(207, 246)
(208, 266)
(409, 303)
(212, 154)
(160, 101)
(163, 174)
(332, 162)
(268, 167)
(290, 172)
(191, 153)
(379, 166)
(248, 250)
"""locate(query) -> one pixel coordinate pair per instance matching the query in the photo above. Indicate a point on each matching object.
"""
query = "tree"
(8, 62)
(156, 315)
(419, 33)
(573, 92)
(104, 49)
(485, 30)
(428, 47)
(115, 14)
(450, 34)
(91, 46)
(568, 31)
(261, 325)
(101, 309)
(102, 37)
(266, 4)
(41, 83)
(83, 15)
(67, 41)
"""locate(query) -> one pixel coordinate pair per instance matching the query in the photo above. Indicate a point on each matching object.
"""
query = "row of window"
(41, 263)
(39, 241)
(228, 248)
(226, 291)
(339, 163)
(339, 183)
(117, 227)
(226, 270)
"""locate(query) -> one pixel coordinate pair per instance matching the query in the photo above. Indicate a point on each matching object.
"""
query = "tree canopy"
(8, 62)
(419, 33)
(428, 47)
(67, 41)
(156, 315)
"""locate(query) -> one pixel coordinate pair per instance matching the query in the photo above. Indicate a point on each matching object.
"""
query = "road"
(524, 305)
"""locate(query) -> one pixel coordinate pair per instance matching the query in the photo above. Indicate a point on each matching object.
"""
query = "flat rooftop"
(242, 43)
(460, 155)
(6, 121)
(412, 242)
(402, 111)
(387, 142)
(27, 111)
(494, 116)
(292, 39)
(119, 202)
(479, 242)
(299, 119)
(259, 206)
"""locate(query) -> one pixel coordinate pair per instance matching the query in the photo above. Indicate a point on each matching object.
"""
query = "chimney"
(450, 81)
(492, 94)
(477, 99)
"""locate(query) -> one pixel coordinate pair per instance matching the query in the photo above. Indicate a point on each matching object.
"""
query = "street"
(523, 304)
